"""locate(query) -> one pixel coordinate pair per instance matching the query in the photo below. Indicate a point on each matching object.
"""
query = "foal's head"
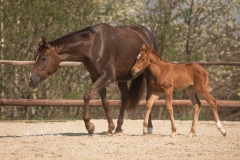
(46, 63)
(142, 60)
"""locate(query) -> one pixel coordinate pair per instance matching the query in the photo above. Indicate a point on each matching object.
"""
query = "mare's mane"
(71, 38)
(81, 35)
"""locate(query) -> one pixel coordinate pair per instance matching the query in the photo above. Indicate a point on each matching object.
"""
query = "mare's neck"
(71, 52)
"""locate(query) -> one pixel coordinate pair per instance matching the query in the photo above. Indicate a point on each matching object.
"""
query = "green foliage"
(238, 94)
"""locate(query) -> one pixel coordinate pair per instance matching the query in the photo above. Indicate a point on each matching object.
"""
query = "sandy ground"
(69, 140)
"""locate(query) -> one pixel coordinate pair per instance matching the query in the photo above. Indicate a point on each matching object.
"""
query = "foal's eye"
(43, 59)
(143, 59)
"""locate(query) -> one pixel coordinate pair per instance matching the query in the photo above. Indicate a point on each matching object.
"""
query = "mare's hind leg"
(168, 94)
(105, 104)
(204, 92)
(124, 95)
(147, 112)
(196, 105)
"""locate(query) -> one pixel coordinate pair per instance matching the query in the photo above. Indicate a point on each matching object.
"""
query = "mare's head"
(46, 63)
(142, 60)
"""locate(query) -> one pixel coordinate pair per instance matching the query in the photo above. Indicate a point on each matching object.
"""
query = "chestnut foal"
(167, 77)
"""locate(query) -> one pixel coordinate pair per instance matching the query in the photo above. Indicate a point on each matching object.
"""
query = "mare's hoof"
(109, 133)
(91, 128)
(118, 131)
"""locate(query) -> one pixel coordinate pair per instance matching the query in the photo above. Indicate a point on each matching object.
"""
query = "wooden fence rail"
(98, 103)
(20, 63)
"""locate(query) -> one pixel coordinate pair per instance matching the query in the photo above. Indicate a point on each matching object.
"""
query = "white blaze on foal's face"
(139, 55)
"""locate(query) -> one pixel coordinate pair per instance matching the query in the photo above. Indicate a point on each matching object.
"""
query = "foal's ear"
(150, 48)
(144, 47)
(45, 43)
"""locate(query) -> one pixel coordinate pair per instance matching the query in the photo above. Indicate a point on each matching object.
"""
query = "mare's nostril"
(30, 80)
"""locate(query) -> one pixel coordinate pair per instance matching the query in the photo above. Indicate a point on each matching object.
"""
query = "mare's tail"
(135, 92)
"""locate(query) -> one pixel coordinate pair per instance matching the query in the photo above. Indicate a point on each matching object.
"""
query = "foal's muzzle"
(134, 71)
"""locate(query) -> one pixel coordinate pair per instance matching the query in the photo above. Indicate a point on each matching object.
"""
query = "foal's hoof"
(91, 128)
(191, 135)
(149, 130)
(145, 133)
(173, 134)
(224, 134)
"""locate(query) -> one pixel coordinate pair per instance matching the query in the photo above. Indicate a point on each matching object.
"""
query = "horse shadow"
(69, 134)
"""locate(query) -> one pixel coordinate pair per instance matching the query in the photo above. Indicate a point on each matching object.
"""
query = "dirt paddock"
(69, 140)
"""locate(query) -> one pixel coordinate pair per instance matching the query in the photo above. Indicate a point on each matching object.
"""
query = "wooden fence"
(20, 63)
(97, 103)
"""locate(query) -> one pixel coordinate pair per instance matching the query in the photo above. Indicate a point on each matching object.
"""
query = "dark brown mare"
(108, 54)
(167, 77)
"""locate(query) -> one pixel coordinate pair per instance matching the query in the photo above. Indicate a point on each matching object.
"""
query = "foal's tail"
(135, 92)
(208, 84)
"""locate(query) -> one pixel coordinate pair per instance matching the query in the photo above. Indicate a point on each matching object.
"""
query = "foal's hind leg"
(196, 105)
(213, 104)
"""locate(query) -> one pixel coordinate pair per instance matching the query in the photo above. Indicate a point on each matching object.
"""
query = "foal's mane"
(156, 55)
(81, 35)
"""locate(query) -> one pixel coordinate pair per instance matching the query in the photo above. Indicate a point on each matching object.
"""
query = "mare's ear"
(144, 47)
(39, 42)
(45, 43)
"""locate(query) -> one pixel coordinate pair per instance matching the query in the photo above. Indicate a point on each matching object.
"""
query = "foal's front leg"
(148, 110)
(168, 94)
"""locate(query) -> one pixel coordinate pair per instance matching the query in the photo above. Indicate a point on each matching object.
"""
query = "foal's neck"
(156, 63)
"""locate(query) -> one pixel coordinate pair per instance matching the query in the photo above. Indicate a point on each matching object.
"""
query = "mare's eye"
(43, 59)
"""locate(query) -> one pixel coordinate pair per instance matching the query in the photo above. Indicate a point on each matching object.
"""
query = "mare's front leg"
(98, 85)
(148, 110)
(106, 108)
(124, 95)
(168, 93)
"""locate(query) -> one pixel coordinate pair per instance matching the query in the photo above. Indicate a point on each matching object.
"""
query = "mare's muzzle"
(34, 80)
